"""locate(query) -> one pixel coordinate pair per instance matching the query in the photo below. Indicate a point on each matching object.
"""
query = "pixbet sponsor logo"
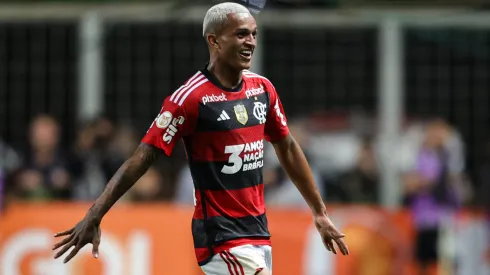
(213, 98)
(254, 91)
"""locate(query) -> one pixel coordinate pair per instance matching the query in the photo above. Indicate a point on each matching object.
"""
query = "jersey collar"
(218, 84)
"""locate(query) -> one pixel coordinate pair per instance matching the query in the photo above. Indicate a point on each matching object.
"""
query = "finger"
(95, 246)
(330, 243)
(342, 246)
(337, 235)
(64, 233)
(63, 242)
(326, 244)
(64, 249)
(73, 253)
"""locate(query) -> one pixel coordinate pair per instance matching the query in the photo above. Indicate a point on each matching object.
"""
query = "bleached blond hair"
(217, 15)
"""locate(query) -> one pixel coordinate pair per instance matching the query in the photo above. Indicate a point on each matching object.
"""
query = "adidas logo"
(223, 116)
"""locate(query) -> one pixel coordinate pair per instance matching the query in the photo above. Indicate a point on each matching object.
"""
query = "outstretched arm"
(294, 162)
(174, 121)
(127, 175)
(88, 229)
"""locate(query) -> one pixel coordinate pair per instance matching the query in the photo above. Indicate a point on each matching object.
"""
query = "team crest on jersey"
(241, 113)
(260, 112)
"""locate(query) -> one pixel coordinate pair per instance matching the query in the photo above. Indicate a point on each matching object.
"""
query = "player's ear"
(213, 41)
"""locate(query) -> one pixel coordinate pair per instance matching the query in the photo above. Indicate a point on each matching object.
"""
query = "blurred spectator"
(483, 196)
(44, 174)
(148, 188)
(281, 191)
(119, 149)
(484, 180)
(9, 162)
(86, 158)
(433, 187)
(360, 185)
(184, 190)
(100, 150)
(334, 149)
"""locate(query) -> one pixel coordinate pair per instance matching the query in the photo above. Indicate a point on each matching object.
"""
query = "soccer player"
(222, 113)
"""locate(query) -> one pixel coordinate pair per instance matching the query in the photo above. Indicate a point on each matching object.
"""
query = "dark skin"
(226, 64)
(88, 229)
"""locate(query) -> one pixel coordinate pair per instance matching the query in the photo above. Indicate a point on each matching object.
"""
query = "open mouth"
(246, 54)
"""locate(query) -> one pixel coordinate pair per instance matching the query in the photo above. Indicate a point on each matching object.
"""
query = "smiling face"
(235, 43)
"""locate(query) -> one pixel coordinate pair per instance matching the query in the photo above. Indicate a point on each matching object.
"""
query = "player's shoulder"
(189, 91)
(262, 81)
(255, 77)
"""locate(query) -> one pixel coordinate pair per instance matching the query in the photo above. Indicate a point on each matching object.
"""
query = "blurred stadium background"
(389, 99)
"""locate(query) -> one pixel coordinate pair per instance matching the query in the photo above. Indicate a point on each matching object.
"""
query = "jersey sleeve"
(276, 127)
(172, 123)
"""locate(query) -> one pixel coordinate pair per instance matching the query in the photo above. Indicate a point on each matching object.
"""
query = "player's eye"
(243, 33)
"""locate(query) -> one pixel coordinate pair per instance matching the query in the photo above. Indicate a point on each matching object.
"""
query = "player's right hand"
(330, 234)
(86, 231)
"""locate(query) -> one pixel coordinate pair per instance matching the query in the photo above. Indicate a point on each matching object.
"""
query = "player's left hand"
(85, 232)
(330, 234)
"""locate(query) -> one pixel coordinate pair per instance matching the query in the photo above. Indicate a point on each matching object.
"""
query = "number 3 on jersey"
(235, 160)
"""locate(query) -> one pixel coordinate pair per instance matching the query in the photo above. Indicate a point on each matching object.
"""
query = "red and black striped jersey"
(223, 131)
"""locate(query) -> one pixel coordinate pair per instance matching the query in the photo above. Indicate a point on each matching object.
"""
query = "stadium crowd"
(342, 149)
(343, 157)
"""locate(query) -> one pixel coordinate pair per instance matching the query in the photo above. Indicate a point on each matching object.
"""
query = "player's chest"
(217, 112)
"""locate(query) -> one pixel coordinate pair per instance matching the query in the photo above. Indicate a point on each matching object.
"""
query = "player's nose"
(251, 42)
